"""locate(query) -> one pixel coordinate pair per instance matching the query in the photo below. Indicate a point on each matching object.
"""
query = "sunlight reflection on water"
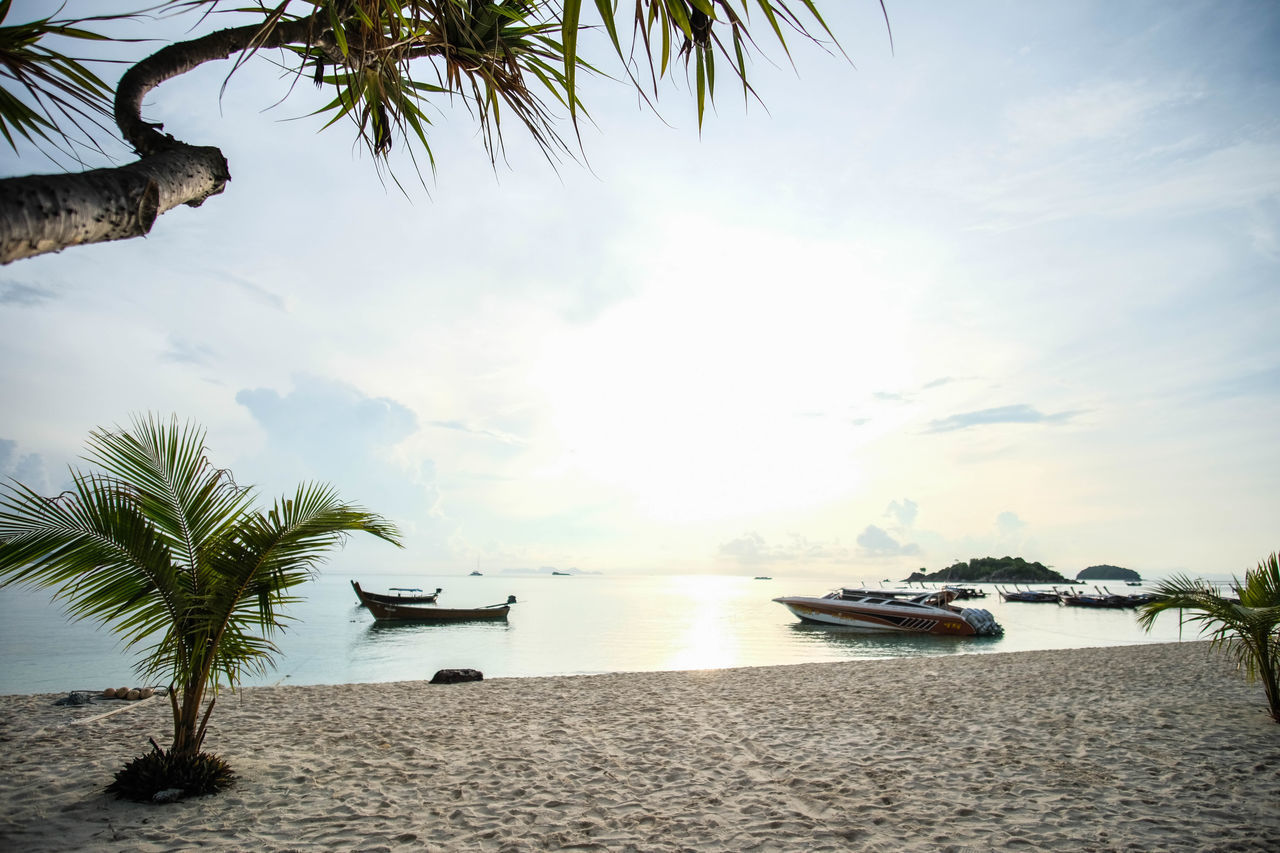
(560, 626)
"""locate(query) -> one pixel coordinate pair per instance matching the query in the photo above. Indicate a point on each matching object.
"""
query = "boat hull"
(397, 612)
(409, 613)
(428, 598)
(879, 620)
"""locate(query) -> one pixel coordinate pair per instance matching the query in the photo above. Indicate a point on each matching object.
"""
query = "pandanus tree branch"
(47, 213)
(514, 57)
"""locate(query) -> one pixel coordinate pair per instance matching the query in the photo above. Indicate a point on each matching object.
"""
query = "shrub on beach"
(161, 543)
(160, 776)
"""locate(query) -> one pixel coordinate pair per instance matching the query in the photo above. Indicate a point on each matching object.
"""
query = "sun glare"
(708, 640)
(732, 390)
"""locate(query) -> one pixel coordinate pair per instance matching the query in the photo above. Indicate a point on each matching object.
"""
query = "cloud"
(1009, 524)
(26, 468)
(329, 431)
(255, 291)
(748, 548)
(904, 513)
(876, 542)
(187, 352)
(319, 412)
(1260, 384)
(752, 549)
(497, 435)
(1018, 414)
(1093, 112)
(25, 295)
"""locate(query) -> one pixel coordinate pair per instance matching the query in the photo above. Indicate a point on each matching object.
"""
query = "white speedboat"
(894, 611)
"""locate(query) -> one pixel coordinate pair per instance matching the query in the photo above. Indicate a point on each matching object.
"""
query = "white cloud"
(1099, 111)
(26, 468)
(904, 513)
(875, 542)
(891, 283)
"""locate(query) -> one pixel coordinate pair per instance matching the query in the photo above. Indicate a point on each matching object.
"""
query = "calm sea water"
(561, 626)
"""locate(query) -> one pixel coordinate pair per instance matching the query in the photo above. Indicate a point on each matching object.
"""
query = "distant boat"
(1030, 595)
(763, 578)
(410, 613)
(1106, 598)
(561, 574)
(476, 574)
(965, 592)
(894, 611)
(403, 595)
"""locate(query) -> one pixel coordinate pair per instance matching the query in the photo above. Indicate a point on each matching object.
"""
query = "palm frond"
(164, 548)
(1246, 627)
(96, 549)
(188, 499)
(271, 553)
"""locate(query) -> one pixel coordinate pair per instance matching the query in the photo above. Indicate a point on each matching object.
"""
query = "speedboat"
(894, 611)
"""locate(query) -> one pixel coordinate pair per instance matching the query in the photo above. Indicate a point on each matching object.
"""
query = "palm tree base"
(162, 777)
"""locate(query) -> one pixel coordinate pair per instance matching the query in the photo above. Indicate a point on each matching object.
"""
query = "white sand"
(1148, 748)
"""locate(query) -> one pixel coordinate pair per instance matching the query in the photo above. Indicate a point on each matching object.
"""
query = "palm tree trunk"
(48, 213)
(188, 727)
(1269, 670)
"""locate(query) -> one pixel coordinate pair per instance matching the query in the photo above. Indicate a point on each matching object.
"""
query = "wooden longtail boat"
(384, 612)
(1031, 595)
(403, 595)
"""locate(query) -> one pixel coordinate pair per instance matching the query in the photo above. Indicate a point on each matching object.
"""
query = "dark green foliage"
(161, 544)
(147, 775)
(993, 569)
(1107, 573)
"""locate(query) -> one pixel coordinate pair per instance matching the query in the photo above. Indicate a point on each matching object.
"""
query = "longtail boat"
(1032, 595)
(402, 595)
(384, 612)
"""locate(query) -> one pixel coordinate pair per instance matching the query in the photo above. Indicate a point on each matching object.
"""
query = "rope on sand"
(128, 707)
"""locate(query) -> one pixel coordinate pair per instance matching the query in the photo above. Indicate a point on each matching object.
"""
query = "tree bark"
(48, 213)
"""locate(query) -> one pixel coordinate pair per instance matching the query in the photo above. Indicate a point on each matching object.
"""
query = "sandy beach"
(1158, 747)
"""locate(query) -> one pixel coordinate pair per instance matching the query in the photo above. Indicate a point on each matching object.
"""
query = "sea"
(561, 625)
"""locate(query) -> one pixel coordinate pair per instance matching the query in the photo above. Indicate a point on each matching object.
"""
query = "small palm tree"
(168, 551)
(1246, 625)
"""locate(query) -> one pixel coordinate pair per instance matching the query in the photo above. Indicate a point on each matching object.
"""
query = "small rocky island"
(992, 570)
(1108, 573)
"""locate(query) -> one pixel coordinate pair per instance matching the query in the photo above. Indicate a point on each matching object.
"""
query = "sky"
(1006, 285)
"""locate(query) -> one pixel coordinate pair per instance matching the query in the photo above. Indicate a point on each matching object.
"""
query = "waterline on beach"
(560, 626)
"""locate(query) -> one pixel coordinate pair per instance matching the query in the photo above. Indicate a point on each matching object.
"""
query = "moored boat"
(402, 595)
(1032, 595)
(384, 612)
(1106, 598)
(966, 592)
(894, 611)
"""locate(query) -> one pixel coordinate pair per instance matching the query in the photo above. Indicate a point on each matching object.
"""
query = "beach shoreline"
(1149, 747)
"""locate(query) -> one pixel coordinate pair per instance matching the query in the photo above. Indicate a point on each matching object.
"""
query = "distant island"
(1108, 573)
(992, 570)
